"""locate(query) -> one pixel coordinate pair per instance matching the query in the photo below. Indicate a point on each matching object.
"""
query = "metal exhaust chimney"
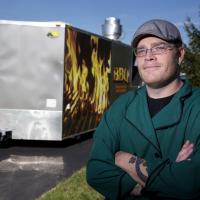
(112, 28)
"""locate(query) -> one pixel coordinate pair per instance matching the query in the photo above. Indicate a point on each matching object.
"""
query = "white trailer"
(56, 80)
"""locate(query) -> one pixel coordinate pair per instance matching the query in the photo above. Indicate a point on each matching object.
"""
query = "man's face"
(158, 70)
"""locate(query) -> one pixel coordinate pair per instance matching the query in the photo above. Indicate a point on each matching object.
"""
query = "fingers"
(185, 152)
(187, 144)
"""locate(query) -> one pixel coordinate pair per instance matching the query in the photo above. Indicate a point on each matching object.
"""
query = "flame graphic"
(101, 87)
(86, 80)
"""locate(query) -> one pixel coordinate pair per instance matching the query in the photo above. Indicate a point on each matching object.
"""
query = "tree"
(191, 64)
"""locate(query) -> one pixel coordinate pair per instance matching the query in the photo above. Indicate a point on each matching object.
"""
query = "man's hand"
(185, 152)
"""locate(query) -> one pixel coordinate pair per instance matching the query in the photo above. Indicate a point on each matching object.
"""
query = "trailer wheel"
(5, 139)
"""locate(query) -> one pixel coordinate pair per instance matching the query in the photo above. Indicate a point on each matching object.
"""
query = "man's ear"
(181, 54)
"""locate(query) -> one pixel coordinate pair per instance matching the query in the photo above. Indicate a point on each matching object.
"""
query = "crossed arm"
(137, 167)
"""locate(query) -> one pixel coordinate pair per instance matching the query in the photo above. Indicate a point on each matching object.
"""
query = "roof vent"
(112, 28)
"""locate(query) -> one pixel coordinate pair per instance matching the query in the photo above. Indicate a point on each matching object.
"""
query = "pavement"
(28, 169)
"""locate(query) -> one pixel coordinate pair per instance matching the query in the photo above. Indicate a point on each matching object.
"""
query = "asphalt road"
(29, 169)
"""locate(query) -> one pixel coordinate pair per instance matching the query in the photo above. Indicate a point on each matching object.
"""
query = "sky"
(89, 15)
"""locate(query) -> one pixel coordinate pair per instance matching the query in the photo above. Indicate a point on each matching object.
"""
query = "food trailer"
(56, 80)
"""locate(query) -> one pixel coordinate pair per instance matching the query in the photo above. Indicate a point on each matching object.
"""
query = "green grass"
(73, 188)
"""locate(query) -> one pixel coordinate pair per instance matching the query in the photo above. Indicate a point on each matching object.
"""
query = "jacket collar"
(172, 112)
(138, 115)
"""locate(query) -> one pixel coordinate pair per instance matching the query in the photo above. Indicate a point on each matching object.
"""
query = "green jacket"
(127, 126)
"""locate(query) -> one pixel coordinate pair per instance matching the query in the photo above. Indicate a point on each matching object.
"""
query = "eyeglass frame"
(162, 51)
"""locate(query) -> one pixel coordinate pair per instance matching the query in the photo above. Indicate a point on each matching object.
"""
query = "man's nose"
(149, 54)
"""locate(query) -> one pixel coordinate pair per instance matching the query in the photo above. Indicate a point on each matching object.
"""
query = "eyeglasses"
(156, 50)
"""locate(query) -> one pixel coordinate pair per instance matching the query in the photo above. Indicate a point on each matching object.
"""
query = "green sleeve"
(176, 180)
(102, 173)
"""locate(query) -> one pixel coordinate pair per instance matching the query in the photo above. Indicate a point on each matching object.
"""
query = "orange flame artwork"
(86, 80)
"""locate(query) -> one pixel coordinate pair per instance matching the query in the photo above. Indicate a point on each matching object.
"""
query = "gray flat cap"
(159, 28)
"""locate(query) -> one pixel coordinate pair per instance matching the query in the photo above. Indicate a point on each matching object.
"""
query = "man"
(147, 145)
